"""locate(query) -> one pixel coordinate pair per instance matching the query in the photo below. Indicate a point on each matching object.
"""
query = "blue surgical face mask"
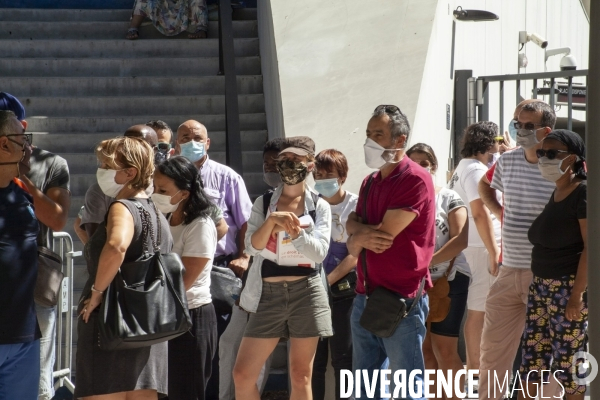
(512, 130)
(192, 150)
(327, 187)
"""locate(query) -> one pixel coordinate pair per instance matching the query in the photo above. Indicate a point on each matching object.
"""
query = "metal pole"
(233, 140)
(570, 104)
(452, 50)
(534, 93)
(593, 213)
(501, 100)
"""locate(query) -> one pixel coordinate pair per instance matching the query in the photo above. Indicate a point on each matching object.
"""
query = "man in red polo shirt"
(397, 232)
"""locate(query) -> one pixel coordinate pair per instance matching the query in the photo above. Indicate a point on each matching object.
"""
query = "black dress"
(99, 371)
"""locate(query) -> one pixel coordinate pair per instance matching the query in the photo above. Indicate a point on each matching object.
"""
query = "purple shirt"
(228, 191)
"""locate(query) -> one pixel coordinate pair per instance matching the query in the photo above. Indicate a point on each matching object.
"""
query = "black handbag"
(384, 309)
(146, 302)
(344, 288)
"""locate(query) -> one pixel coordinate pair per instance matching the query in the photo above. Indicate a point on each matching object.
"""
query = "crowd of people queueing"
(510, 240)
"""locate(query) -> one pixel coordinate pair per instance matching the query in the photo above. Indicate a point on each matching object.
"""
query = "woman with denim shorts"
(286, 301)
(440, 348)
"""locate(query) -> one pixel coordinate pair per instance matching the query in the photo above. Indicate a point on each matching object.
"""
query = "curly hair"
(478, 138)
(398, 122)
(186, 177)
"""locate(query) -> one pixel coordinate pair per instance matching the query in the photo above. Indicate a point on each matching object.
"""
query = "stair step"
(125, 105)
(127, 86)
(114, 48)
(96, 67)
(107, 30)
(80, 182)
(46, 15)
(49, 15)
(60, 142)
(94, 124)
(86, 163)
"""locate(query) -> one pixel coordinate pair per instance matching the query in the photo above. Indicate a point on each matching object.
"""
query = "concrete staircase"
(81, 82)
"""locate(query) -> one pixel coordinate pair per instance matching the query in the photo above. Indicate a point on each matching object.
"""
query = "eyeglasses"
(388, 109)
(28, 137)
(529, 126)
(550, 153)
(163, 146)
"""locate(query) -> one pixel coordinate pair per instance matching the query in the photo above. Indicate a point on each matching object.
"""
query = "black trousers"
(191, 355)
(341, 349)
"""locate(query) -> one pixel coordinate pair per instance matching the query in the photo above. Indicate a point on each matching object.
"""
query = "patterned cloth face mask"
(292, 172)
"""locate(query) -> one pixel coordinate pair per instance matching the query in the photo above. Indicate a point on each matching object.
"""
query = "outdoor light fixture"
(473, 15)
(467, 15)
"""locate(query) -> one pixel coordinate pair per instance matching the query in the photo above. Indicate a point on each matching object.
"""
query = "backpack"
(267, 201)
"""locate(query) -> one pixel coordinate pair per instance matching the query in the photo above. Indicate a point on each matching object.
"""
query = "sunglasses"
(163, 146)
(550, 154)
(529, 126)
(388, 109)
(28, 137)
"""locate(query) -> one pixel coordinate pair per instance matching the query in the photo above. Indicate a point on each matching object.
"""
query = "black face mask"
(292, 172)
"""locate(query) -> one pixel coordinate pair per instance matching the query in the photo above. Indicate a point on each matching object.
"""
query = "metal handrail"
(227, 68)
(482, 90)
(63, 246)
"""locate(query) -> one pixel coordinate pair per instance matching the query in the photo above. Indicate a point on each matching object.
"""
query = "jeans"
(403, 348)
(46, 317)
(19, 370)
(191, 355)
(341, 349)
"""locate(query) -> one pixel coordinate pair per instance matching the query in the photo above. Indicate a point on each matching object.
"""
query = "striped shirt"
(526, 194)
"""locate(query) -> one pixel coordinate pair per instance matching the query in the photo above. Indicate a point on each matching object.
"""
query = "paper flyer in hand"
(281, 251)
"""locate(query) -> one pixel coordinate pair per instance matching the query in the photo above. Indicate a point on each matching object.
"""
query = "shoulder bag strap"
(363, 253)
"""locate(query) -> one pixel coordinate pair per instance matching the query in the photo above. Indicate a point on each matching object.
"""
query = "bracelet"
(96, 290)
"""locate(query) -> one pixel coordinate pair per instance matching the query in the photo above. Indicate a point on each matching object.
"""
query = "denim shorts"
(459, 289)
(297, 309)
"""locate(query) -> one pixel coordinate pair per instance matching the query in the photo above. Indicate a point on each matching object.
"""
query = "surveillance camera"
(537, 39)
(568, 63)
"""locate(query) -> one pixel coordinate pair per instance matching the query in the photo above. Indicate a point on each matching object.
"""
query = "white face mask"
(163, 202)
(377, 156)
(106, 181)
(526, 138)
(551, 169)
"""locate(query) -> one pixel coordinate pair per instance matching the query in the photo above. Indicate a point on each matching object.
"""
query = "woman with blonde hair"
(286, 301)
(126, 168)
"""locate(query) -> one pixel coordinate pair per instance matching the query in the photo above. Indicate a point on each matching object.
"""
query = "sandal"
(132, 34)
(199, 34)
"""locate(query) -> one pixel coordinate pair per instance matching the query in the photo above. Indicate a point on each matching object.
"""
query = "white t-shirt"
(339, 216)
(446, 201)
(198, 239)
(465, 181)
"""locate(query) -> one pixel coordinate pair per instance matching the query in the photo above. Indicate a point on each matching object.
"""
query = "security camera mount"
(568, 62)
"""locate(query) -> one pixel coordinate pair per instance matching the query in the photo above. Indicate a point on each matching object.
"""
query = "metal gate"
(488, 98)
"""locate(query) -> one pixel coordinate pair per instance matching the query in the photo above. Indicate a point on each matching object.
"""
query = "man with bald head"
(96, 202)
(227, 190)
(526, 193)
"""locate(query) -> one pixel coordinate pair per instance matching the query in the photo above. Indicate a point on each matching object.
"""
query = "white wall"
(491, 48)
(339, 59)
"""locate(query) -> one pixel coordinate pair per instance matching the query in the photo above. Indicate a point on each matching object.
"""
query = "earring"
(129, 186)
